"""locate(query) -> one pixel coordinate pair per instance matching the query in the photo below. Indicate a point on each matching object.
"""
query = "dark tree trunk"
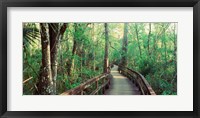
(106, 60)
(124, 46)
(45, 84)
(54, 35)
(56, 32)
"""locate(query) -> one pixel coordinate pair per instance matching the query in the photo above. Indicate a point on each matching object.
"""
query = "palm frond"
(30, 34)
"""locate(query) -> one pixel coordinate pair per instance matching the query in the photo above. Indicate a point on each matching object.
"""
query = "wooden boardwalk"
(121, 85)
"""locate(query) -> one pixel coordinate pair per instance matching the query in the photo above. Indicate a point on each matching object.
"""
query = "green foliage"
(30, 35)
(153, 55)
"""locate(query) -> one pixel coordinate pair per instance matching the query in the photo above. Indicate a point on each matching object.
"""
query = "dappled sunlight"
(89, 58)
(119, 77)
(114, 71)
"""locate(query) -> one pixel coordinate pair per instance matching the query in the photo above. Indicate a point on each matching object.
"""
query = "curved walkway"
(121, 85)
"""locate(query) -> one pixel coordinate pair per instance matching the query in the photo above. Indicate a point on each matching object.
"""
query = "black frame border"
(100, 3)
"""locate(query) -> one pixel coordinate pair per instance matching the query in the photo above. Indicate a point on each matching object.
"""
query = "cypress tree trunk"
(54, 35)
(56, 32)
(45, 84)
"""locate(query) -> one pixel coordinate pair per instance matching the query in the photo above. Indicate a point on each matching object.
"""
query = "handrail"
(138, 79)
(80, 89)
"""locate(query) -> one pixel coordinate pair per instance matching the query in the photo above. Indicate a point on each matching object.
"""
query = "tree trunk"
(149, 38)
(56, 32)
(164, 45)
(45, 84)
(71, 66)
(137, 36)
(83, 56)
(106, 61)
(94, 54)
(61, 59)
(54, 35)
(124, 46)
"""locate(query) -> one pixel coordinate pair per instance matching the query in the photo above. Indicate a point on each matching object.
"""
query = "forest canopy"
(61, 56)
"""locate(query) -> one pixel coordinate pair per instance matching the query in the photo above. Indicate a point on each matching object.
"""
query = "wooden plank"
(139, 80)
(121, 85)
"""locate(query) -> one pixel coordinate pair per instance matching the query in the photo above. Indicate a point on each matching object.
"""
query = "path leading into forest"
(121, 85)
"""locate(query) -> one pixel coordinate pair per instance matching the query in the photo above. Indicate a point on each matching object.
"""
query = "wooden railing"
(100, 83)
(138, 79)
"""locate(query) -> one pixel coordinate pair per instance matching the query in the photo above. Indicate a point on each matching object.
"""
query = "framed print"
(99, 58)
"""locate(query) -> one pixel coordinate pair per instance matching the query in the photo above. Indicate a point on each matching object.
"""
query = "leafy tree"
(60, 56)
